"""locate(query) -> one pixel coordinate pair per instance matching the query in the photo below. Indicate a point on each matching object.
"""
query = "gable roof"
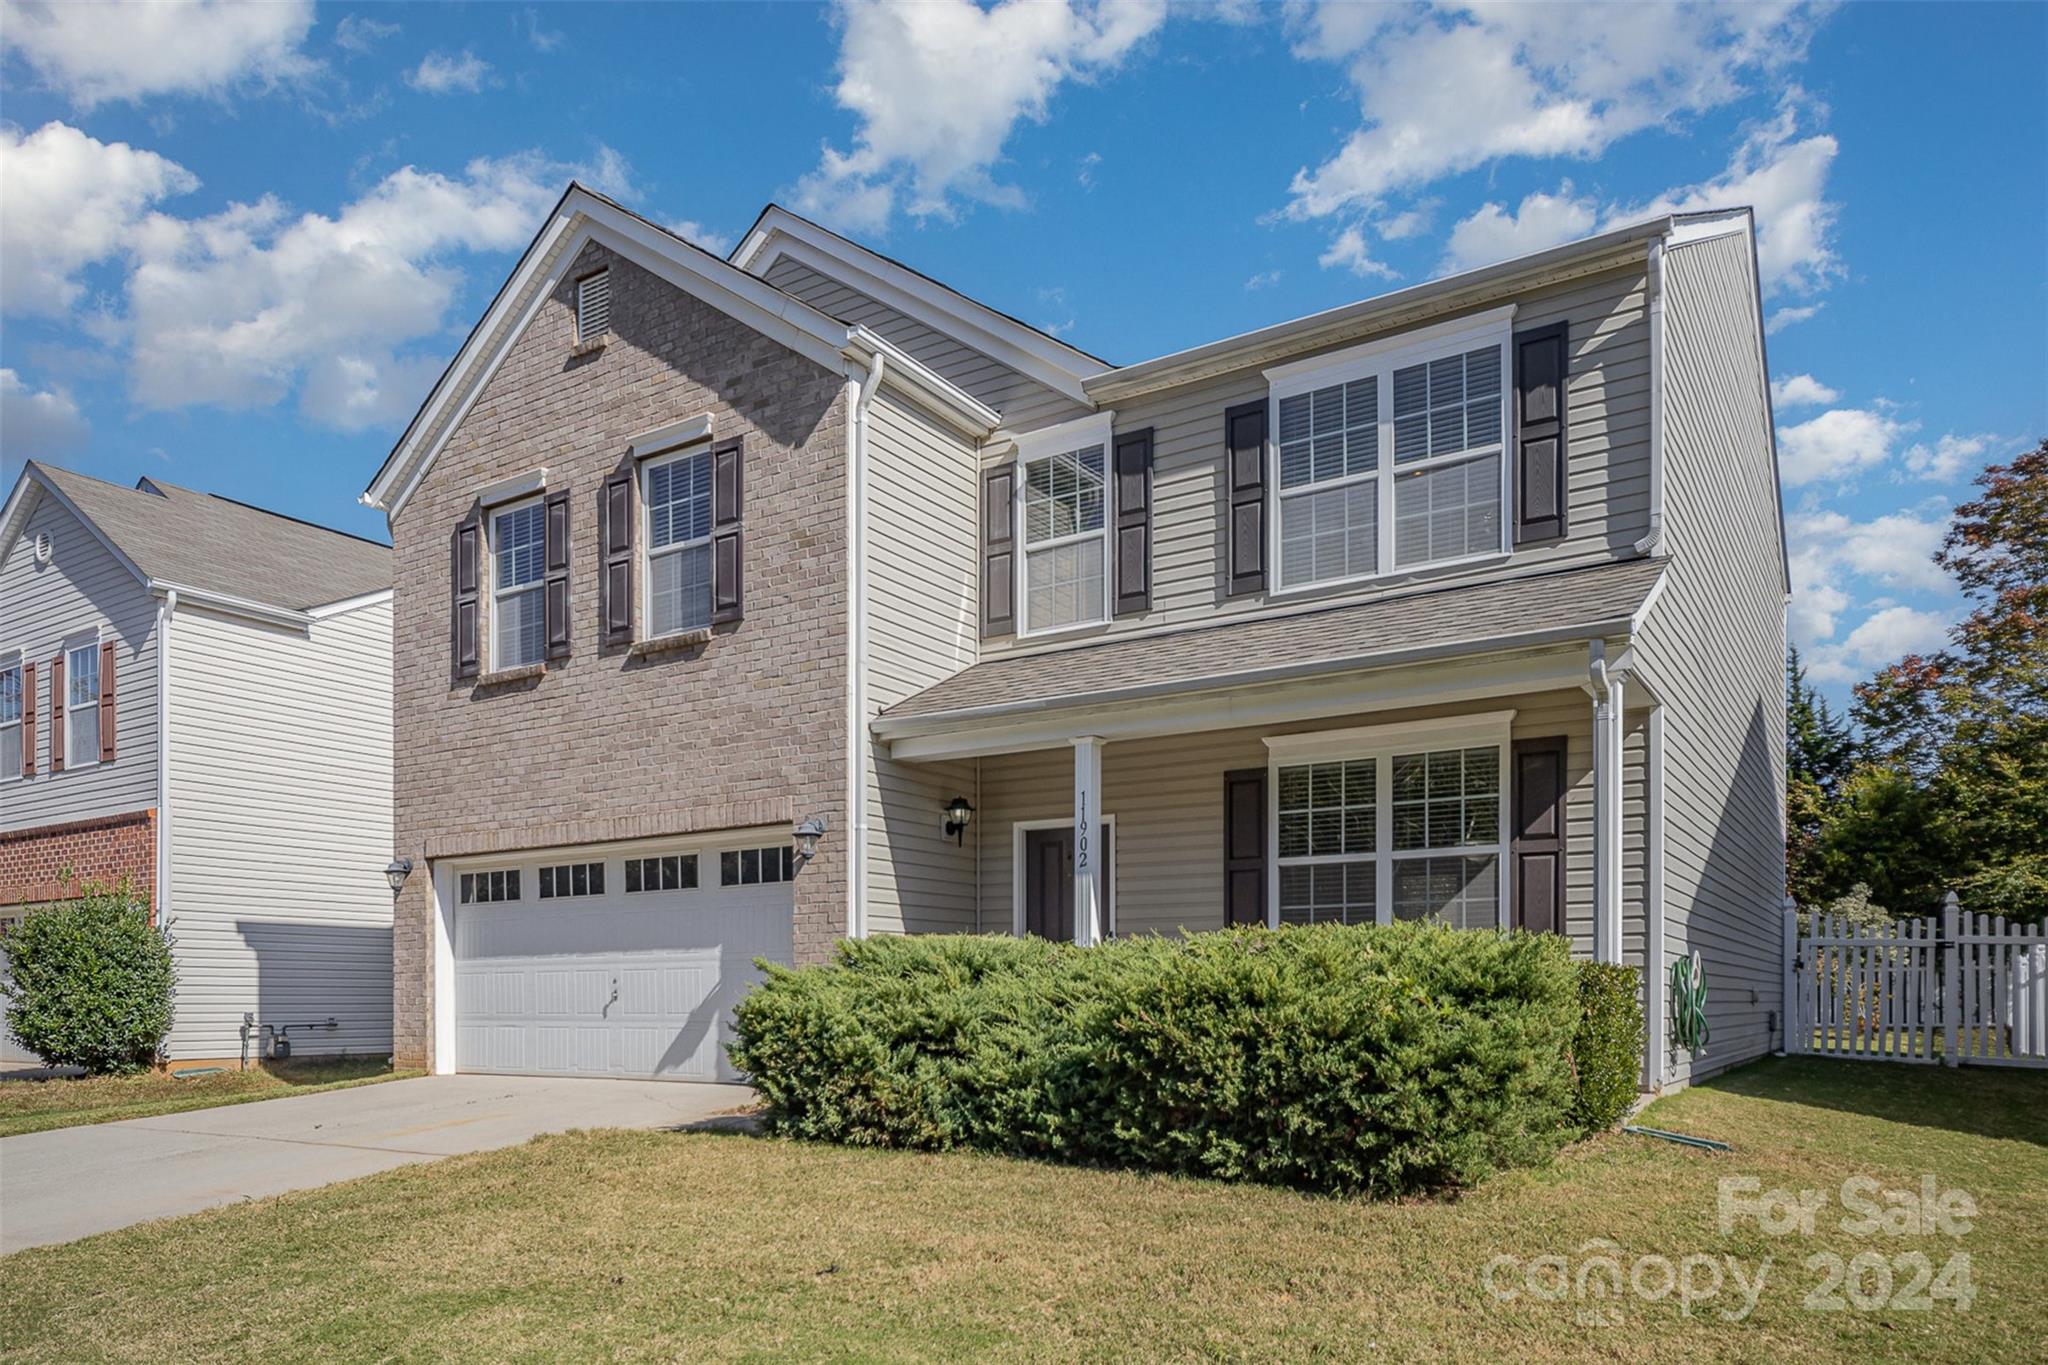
(172, 537)
(582, 215)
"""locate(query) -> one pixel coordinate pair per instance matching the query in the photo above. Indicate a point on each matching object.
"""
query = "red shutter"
(556, 593)
(57, 714)
(106, 701)
(998, 551)
(1244, 436)
(28, 719)
(1133, 521)
(1244, 846)
(616, 582)
(465, 549)
(728, 532)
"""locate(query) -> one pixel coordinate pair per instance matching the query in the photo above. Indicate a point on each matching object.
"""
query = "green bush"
(1607, 1050)
(90, 982)
(1378, 1060)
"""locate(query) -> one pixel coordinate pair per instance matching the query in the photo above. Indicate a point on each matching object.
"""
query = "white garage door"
(630, 968)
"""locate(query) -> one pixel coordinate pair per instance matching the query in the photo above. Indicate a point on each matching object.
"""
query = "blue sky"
(237, 243)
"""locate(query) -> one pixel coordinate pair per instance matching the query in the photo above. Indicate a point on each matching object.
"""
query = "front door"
(1049, 882)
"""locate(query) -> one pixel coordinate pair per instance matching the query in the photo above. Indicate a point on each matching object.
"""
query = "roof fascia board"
(229, 605)
(15, 519)
(909, 375)
(348, 604)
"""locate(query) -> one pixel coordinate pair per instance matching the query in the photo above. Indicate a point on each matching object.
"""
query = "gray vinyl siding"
(1714, 644)
(1023, 401)
(41, 606)
(1608, 454)
(921, 628)
(1167, 797)
(280, 824)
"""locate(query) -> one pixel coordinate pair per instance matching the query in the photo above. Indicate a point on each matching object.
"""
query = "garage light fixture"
(958, 815)
(395, 872)
(807, 835)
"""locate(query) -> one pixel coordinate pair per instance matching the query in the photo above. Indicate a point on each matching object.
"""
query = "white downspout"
(865, 383)
(1653, 903)
(1605, 689)
(164, 612)
(1653, 539)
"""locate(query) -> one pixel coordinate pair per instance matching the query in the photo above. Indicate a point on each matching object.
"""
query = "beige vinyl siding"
(1167, 797)
(1714, 643)
(41, 606)
(921, 628)
(280, 826)
(1609, 473)
(1023, 401)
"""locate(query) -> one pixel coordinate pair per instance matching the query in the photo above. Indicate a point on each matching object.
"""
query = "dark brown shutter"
(1244, 476)
(57, 714)
(1542, 359)
(728, 532)
(465, 549)
(1244, 846)
(106, 701)
(998, 551)
(28, 719)
(556, 594)
(616, 584)
(1537, 846)
(1133, 521)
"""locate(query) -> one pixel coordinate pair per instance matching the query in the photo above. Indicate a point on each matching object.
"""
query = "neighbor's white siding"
(280, 826)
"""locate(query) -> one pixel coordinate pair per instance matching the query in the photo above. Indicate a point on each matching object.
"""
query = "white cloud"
(1350, 250)
(1495, 234)
(1265, 279)
(1883, 638)
(359, 35)
(1948, 457)
(938, 88)
(68, 201)
(690, 230)
(1781, 318)
(98, 52)
(1838, 443)
(38, 424)
(1895, 550)
(540, 39)
(443, 73)
(1838, 563)
(1412, 222)
(1801, 391)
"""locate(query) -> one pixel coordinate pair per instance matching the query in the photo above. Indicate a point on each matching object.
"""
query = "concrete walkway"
(73, 1182)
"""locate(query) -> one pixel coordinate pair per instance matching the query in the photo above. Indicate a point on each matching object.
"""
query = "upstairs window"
(676, 492)
(82, 706)
(10, 718)
(593, 306)
(1329, 483)
(1447, 458)
(1066, 540)
(518, 572)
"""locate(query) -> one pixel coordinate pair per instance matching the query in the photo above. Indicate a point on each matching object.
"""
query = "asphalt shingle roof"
(215, 544)
(1476, 616)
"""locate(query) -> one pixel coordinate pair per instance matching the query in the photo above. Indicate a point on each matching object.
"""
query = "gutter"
(887, 362)
(1655, 288)
(232, 605)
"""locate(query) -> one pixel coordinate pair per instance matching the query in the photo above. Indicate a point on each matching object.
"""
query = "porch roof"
(1470, 619)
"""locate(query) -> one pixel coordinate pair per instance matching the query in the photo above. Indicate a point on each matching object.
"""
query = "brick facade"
(49, 863)
(747, 729)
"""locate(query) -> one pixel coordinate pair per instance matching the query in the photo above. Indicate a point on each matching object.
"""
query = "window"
(754, 866)
(593, 306)
(1381, 826)
(676, 493)
(672, 872)
(82, 706)
(10, 718)
(485, 888)
(1391, 457)
(1066, 540)
(518, 567)
(571, 879)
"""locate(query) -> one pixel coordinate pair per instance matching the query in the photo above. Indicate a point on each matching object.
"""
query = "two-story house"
(195, 698)
(746, 604)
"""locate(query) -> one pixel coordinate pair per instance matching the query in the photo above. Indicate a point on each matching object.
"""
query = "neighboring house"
(1463, 602)
(195, 697)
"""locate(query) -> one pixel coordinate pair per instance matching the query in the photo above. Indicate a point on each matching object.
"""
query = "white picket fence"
(1970, 989)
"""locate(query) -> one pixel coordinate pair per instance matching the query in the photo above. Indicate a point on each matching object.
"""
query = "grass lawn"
(63, 1102)
(717, 1246)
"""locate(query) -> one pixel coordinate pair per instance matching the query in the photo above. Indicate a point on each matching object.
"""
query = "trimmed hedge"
(90, 982)
(1377, 1060)
(1607, 1052)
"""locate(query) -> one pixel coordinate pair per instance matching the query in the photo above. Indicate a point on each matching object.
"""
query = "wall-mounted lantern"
(807, 835)
(395, 873)
(959, 814)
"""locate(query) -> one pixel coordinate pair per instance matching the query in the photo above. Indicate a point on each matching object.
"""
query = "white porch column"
(1087, 840)
(1607, 692)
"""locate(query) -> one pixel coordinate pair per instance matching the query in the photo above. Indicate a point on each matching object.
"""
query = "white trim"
(1316, 372)
(441, 911)
(646, 551)
(1654, 287)
(1484, 727)
(166, 610)
(1018, 829)
(513, 488)
(14, 518)
(496, 590)
(348, 604)
(1067, 438)
(904, 372)
(229, 605)
(1096, 428)
(862, 384)
(86, 642)
(15, 660)
(1653, 902)
(662, 439)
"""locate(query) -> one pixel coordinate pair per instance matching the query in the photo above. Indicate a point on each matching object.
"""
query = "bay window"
(518, 574)
(676, 493)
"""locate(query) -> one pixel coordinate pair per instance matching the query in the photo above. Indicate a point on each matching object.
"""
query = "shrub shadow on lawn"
(2009, 1103)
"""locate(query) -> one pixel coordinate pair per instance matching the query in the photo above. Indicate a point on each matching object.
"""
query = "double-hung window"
(82, 705)
(1066, 539)
(1393, 823)
(518, 574)
(676, 493)
(1392, 456)
(10, 717)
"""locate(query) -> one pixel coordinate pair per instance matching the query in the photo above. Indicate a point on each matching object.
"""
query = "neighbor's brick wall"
(48, 863)
(748, 729)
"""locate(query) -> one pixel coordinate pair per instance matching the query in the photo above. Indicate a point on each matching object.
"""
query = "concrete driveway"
(73, 1182)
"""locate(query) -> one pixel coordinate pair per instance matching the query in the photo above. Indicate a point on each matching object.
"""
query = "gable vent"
(594, 305)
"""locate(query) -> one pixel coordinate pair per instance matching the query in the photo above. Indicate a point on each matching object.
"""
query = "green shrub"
(1607, 1050)
(1379, 1060)
(90, 982)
